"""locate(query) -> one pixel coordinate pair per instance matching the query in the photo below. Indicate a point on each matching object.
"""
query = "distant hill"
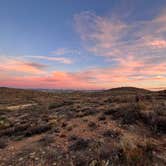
(162, 93)
(128, 90)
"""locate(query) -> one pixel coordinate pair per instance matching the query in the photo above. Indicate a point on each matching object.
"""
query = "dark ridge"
(162, 91)
(128, 89)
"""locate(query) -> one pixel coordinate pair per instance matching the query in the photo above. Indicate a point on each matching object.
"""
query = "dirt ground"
(122, 126)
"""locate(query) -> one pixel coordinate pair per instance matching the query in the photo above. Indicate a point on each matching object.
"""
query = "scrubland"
(122, 126)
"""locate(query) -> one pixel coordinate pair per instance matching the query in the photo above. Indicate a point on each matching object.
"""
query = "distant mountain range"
(118, 89)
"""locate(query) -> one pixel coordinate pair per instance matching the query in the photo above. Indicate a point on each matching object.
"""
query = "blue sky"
(83, 37)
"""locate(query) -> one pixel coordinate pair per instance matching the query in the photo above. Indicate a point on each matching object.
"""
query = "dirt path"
(18, 107)
(12, 108)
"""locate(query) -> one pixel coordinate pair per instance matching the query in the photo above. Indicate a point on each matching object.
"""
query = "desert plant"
(37, 129)
(80, 144)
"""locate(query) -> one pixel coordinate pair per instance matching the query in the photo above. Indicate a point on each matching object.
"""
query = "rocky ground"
(122, 126)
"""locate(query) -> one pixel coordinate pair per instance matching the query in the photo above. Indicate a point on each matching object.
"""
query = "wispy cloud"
(116, 39)
(65, 51)
(138, 48)
(20, 66)
(127, 73)
(50, 58)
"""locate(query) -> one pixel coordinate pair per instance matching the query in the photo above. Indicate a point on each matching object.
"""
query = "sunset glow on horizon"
(83, 44)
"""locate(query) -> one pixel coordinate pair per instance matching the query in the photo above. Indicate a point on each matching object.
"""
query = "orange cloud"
(20, 66)
(126, 73)
(137, 62)
(158, 43)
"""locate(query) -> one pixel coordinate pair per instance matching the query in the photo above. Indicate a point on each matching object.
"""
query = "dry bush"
(79, 144)
(92, 125)
(14, 131)
(111, 134)
(72, 138)
(59, 104)
(37, 130)
(137, 151)
(4, 122)
(3, 143)
(127, 114)
(56, 105)
(121, 99)
(159, 108)
(155, 123)
(86, 112)
(101, 118)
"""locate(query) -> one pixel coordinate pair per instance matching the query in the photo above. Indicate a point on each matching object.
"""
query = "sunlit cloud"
(137, 48)
(126, 73)
(158, 43)
(20, 66)
(114, 38)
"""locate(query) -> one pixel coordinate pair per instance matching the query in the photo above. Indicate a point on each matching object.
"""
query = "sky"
(83, 44)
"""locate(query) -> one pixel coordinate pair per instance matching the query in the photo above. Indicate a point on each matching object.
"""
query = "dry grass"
(114, 127)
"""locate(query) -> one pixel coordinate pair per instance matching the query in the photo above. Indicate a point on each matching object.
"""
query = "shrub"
(80, 144)
(37, 130)
(101, 118)
(92, 125)
(108, 112)
(111, 133)
(12, 131)
(64, 124)
(128, 114)
(3, 143)
(4, 122)
(55, 105)
(156, 123)
(72, 138)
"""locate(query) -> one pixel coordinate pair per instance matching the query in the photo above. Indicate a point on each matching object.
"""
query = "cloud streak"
(65, 51)
(116, 39)
(50, 58)
(136, 50)
(124, 74)
(20, 66)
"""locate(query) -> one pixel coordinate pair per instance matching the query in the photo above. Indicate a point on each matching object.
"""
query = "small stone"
(21, 159)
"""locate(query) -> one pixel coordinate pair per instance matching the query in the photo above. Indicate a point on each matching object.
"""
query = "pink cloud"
(140, 61)
(158, 43)
(141, 56)
(126, 73)
(105, 36)
(21, 66)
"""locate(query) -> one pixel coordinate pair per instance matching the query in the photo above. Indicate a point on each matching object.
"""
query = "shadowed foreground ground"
(123, 126)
